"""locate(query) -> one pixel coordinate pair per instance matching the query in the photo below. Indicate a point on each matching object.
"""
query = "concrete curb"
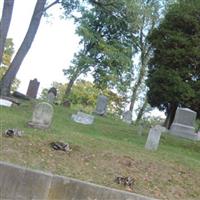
(23, 184)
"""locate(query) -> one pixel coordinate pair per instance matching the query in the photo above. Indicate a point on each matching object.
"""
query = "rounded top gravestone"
(42, 116)
(52, 92)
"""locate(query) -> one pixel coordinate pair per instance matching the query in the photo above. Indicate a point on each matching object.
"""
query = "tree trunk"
(5, 24)
(141, 112)
(24, 48)
(170, 115)
(69, 88)
(143, 62)
(71, 82)
(137, 85)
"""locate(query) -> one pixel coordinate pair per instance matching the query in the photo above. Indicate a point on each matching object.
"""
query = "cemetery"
(162, 165)
(103, 103)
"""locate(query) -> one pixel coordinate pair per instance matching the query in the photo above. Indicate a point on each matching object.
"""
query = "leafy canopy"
(106, 43)
(174, 69)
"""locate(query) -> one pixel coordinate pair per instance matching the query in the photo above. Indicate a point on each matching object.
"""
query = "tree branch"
(50, 5)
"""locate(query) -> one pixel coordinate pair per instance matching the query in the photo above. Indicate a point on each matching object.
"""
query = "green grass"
(102, 151)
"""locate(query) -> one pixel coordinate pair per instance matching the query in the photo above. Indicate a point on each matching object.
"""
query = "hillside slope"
(102, 151)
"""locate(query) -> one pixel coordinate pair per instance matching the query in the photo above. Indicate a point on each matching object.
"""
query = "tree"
(7, 56)
(85, 93)
(23, 50)
(8, 52)
(174, 69)
(106, 45)
(4, 24)
(148, 16)
(39, 10)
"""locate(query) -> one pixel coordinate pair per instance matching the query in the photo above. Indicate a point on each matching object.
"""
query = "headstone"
(127, 117)
(53, 90)
(20, 95)
(42, 116)
(154, 138)
(183, 124)
(83, 118)
(101, 106)
(4, 102)
(33, 88)
(67, 103)
(140, 129)
(161, 128)
(52, 95)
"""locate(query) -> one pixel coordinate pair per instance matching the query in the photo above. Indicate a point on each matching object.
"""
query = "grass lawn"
(102, 151)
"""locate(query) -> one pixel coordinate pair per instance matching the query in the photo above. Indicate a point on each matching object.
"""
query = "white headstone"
(83, 118)
(42, 116)
(153, 139)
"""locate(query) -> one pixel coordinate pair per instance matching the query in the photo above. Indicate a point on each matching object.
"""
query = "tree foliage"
(106, 44)
(174, 69)
(84, 94)
(113, 35)
(148, 16)
(7, 56)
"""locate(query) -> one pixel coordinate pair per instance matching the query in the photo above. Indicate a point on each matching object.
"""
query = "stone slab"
(184, 131)
(83, 118)
(6, 103)
(20, 95)
(24, 184)
(63, 188)
(12, 99)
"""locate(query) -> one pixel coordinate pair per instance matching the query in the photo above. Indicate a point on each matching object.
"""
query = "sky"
(52, 49)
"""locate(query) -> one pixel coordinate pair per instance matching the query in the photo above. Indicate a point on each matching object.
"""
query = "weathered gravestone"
(83, 118)
(154, 137)
(101, 105)
(67, 103)
(140, 128)
(183, 124)
(33, 88)
(19, 95)
(127, 117)
(42, 116)
(52, 95)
